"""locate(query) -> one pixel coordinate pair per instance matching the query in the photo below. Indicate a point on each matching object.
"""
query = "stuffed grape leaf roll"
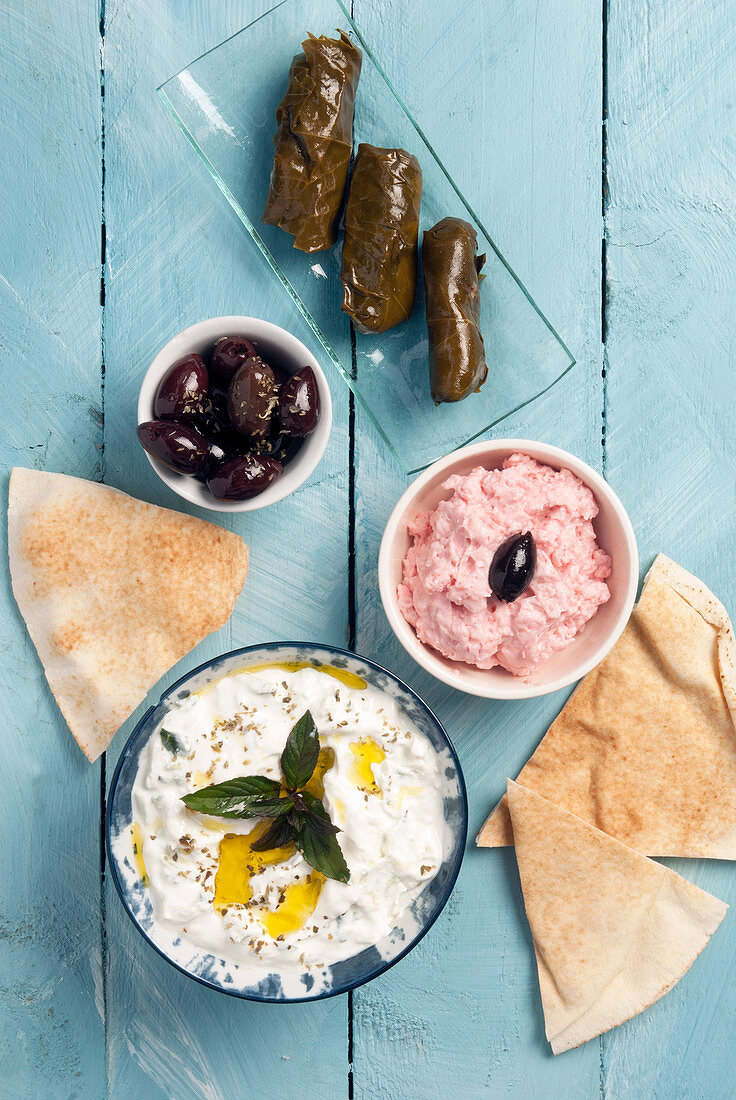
(451, 267)
(313, 143)
(379, 252)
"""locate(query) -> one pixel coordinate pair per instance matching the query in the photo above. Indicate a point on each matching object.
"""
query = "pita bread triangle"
(645, 749)
(613, 931)
(113, 591)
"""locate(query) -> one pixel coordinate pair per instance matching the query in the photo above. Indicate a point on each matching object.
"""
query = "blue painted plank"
(176, 254)
(462, 1013)
(671, 234)
(51, 1025)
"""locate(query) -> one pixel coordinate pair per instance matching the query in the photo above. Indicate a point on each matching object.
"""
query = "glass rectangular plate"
(225, 102)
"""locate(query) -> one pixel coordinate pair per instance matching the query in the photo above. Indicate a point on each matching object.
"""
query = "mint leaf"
(247, 784)
(279, 833)
(249, 796)
(171, 742)
(315, 813)
(299, 758)
(254, 805)
(322, 851)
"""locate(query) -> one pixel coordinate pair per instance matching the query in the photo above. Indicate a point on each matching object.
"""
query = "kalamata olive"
(213, 420)
(178, 446)
(299, 403)
(224, 445)
(218, 405)
(242, 478)
(182, 392)
(281, 447)
(229, 354)
(216, 455)
(513, 567)
(280, 375)
(251, 398)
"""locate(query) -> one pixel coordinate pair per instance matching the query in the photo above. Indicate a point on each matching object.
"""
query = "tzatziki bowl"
(287, 822)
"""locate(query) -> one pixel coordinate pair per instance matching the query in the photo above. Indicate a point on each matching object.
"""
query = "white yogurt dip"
(382, 786)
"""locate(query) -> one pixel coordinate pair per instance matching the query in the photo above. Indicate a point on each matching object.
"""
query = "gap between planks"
(103, 758)
(352, 590)
(604, 326)
(604, 265)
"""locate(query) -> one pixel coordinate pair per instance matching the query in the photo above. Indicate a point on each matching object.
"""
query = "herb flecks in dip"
(445, 593)
(270, 912)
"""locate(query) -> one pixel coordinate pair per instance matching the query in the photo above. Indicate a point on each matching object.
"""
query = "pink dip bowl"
(613, 531)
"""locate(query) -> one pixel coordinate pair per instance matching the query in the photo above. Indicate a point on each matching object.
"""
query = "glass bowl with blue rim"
(227, 976)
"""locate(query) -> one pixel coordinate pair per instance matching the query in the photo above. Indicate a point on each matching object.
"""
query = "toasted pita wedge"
(646, 747)
(113, 592)
(613, 931)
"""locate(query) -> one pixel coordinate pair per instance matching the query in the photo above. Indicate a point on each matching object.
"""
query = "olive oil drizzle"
(233, 883)
(136, 835)
(367, 752)
(350, 679)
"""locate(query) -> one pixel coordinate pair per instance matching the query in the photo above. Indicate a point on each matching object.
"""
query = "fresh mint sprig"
(297, 816)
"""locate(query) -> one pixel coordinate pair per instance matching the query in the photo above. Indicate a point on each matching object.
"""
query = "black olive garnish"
(513, 567)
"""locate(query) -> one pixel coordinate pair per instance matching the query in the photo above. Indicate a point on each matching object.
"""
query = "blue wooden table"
(598, 147)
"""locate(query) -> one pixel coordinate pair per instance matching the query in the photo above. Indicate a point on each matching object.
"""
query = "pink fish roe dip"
(445, 594)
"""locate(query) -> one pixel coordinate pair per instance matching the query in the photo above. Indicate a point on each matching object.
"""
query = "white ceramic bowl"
(276, 346)
(614, 533)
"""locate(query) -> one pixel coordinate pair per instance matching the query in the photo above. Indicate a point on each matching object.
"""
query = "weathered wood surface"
(175, 255)
(471, 985)
(511, 96)
(51, 983)
(671, 270)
